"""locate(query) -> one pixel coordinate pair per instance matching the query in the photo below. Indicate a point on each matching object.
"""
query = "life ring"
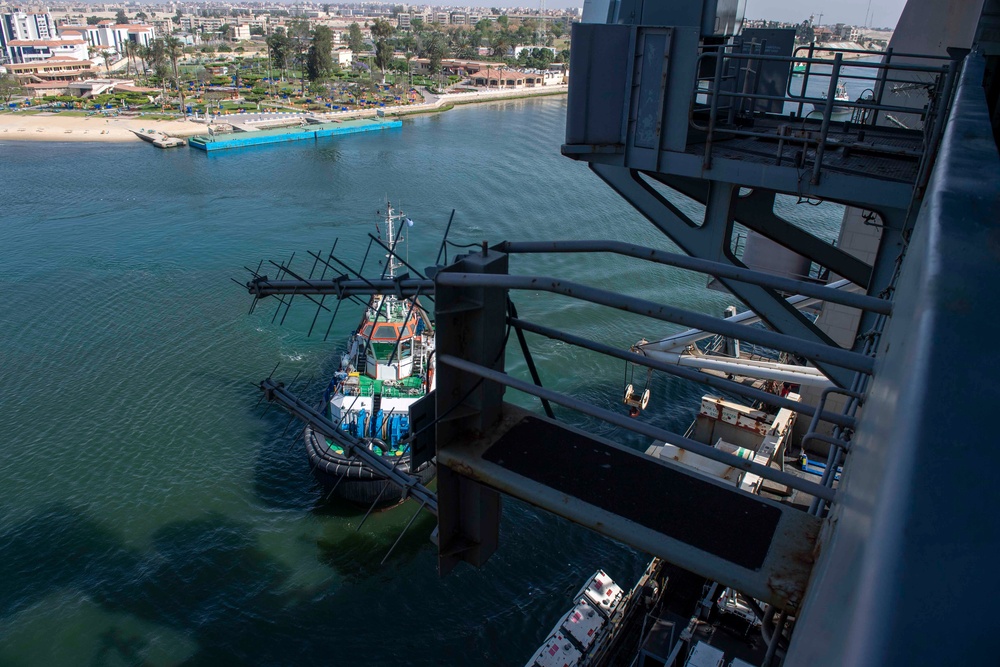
(645, 400)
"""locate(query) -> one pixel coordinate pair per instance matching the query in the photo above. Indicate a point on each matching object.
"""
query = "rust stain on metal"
(463, 469)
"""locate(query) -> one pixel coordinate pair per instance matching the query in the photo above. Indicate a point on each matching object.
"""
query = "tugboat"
(388, 365)
(840, 110)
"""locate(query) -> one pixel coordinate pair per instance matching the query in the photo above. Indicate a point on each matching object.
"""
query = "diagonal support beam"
(711, 241)
(756, 211)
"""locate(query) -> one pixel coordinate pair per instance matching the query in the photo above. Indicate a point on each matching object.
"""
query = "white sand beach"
(59, 127)
(56, 127)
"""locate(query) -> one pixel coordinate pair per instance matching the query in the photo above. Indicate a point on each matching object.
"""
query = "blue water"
(153, 514)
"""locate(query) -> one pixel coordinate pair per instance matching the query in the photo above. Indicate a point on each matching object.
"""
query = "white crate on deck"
(603, 593)
(557, 651)
(583, 623)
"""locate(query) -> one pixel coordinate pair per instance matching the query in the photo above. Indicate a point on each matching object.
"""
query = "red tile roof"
(45, 42)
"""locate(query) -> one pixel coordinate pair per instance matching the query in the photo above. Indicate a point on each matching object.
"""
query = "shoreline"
(58, 128)
(44, 127)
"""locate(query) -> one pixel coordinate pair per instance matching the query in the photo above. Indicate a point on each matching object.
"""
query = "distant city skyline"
(875, 13)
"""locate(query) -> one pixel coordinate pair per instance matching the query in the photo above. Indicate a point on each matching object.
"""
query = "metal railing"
(344, 287)
(724, 105)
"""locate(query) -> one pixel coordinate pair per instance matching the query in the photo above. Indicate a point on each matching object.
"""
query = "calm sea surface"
(152, 514)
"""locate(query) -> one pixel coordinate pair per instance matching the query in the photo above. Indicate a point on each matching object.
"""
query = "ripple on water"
(150, 513)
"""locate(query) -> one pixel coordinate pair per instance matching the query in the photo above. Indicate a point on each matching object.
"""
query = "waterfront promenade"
(19, 126)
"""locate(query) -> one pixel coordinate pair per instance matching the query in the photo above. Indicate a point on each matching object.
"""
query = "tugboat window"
(382, 351)
(406, 349)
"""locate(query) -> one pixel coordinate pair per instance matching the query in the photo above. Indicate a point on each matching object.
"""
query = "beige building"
(51, 76)
(508, 78)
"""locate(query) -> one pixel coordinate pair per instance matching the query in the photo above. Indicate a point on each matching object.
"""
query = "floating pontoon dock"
(281, 135)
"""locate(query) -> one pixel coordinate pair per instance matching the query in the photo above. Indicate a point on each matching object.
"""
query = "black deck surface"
(718, 520)
(853, 149)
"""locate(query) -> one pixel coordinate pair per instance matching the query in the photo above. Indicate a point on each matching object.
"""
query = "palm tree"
(409, 45)
(141, 56)
(175, 48)
(500, 43)
(107, 56)
(130, 51)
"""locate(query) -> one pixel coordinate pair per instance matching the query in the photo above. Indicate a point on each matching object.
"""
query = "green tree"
(279, 48)
(141, 16)
(235, 71)
(176, 18)
(557, 28)
(106, 56)
(157, 58)
(142, 56)
(9, 87)
(436, 51)
(257, 30)
(382, 30)
(409, 45)
(354, 39)
(530, 27)
(523, 35)
(121, 17)
(417, 25)
(500, 43)
(225, 29)
(503, 22)
(537, 58)
(131, 48)
(300, 34)
(460, 44)
(174, 50)
(319, 63)
(93, 20)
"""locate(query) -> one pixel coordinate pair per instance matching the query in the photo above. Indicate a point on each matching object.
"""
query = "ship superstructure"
(671, 103)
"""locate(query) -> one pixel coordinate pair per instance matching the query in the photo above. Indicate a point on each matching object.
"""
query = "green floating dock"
(280, 135)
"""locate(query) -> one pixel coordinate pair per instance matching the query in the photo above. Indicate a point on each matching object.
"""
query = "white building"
(343, 57)
(37, 50)
(240, 32)
(25, 26)
(112, 37)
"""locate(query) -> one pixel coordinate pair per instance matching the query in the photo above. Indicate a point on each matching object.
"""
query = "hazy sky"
(883, 12)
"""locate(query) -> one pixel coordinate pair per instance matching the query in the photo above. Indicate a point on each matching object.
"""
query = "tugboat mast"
(391, 241)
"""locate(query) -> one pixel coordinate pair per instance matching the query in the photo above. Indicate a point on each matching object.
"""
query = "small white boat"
(840, 109)
(159, 139)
